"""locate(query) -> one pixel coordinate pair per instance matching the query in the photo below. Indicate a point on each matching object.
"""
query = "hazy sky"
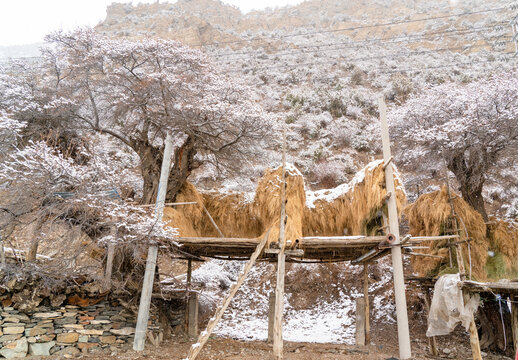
(27, 21)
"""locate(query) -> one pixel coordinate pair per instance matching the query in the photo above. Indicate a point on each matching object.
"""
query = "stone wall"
(67, 330)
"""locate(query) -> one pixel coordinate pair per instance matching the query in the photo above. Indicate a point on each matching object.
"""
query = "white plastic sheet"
(448, 308)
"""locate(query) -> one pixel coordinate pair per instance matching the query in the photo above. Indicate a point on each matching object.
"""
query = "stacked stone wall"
(67, 330)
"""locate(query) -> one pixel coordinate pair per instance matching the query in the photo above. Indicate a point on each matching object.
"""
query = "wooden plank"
(204, 336)
(366, 301)
(397, 260)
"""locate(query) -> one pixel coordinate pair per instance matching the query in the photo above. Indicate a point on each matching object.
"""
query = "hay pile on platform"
(351, 209)
(267, 203)
(430, 215)
(233, 214)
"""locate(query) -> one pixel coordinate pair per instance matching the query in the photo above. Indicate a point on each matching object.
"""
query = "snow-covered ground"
(329, 320)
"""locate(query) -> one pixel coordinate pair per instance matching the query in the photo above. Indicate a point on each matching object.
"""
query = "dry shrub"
(357, 210)
(430, 216)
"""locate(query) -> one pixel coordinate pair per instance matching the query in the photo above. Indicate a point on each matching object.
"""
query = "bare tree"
(137, 91)
(466, 127)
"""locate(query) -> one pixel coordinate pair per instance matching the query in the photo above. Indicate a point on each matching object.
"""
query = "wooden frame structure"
(357, 249)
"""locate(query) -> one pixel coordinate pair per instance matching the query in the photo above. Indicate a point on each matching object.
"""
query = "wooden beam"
(397, 260)
(366, 301)
(151, 261)
(204, 336)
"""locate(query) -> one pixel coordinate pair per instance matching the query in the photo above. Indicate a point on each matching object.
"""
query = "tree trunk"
(473, 196)
(495, 328)
(151, 164)
(471, 174)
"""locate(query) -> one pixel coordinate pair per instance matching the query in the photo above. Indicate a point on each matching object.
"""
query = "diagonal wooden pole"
(149, 275)
(204, 336)
(397, 260)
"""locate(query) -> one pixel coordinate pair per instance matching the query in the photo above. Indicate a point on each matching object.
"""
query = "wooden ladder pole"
(473, 333)
(405, 351)
(204, 336)
(149, 275)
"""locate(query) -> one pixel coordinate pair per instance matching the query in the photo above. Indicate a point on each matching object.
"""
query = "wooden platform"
(308, 249)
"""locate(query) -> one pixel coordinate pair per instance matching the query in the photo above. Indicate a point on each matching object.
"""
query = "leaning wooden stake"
(149, 275)
(432, 341)
(397, 261)
(204, 336)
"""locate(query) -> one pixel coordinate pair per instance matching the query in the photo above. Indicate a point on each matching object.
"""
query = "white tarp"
(448, 308)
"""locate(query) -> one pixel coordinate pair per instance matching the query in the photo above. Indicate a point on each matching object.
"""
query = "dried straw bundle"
(430, 215)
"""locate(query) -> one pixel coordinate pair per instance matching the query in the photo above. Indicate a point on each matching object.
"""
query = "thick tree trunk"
(470, 175)
(151, 163)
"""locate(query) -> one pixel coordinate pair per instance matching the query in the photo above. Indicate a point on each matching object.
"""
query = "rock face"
(16, 349)
(202, 22)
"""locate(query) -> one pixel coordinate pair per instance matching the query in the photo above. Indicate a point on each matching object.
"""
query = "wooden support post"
(278, 345)
(367, 305)
(514, 321)
(360, 321)
(405, 351)
(109, 258)
(189, 273)
(431, 341)
(192, 322)
(204, 336)
(271, 315)
(2, 251)
(149, 275)
(279, 308)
